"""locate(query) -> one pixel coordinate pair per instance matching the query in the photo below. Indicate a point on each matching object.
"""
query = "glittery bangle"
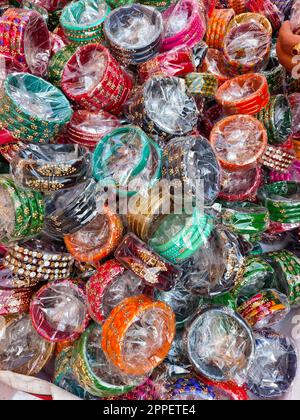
(58, 62)
(277, 159)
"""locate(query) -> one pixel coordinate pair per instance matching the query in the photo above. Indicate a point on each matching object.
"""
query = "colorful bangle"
(268, 9)
(107, 231)
(92, 369)
(9, 280)
(221, 327)
(58, 62)
(192, 33)
(275, 74)
(125, 38)
(246, 94)
(241, 185)
(265, 309)
(23, 351)
(239, 141)
(227, 390)
(108, 287)
(139, 259)
(203, 84)
(187, 388)
(45, 311)
(276, 362)
(161, 5)
(277, 159)
(14, 302)
(284, 6)
(214, 64)
(239, 6)
(116, 340)
(217, 27)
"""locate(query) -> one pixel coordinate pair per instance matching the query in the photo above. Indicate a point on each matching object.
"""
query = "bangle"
(217, 27)
(10, 280)
(139, 259)
(291, 174)
(6, 137)
(153, 103)
(14, 302)
(26, 38)
(58, 63)
(176, 62)
(240, 54)
(268, 9)
(92, 369)
(187, 388)
(278, 199)
(98, 239)
(122, 30)
(191, 160)
(246, 219)
(193, 31)
(67, 212)
(284, 6)
(203, 84)
(23, 351)
(239, 141)
(246, 94)
(241, 185)
(215, 65)
(127, 158)
(192, 232)
(277, 119)
(117, 342)
(277, 159)
(46, 310)
(228, 390)
(111, 284)
(32, 260)
(231, 343)
(275, 74)
(276, 362)
(107, 90)
(35, 166)
(289, 282)
(239, 6)
(161, 5)
(265, 309)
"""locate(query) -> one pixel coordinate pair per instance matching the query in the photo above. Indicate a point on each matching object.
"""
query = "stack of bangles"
(104, 232)
(117, 341)
(82, 21)
(277, 159)
(217, 27)
(125, 40)
(22, 211)
(291, 174)
(239, 6)
(191, 233)
(32, 108)
(193, 31)
(36, 263)
(265, 309)
(87, 128)
(25, 37)
(246, 94)
(282, 201)
(246, 219)
(35, 167)
(107, 89)
(240, 54)
(58, 63)
(268, 9)
(240, 185)
(152, 104)
(289, 283)
(177, 62)
(277, 119)
(127, 159)
(68, 212)
(213, 63)
(150, 267)
(202, 84)
(275, 74)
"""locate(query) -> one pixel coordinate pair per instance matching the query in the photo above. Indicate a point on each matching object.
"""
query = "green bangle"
(75, 10)
(58, 63)
(275, 76)
(37, 212)
(203, 84)
(160, 5)
(277, 119)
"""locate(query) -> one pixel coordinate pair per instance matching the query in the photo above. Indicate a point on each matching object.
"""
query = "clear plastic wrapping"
(240, 185)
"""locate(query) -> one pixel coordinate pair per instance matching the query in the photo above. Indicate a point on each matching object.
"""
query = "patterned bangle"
(58, 62)
(277, 159)
(239, 6)
(250, 102)
(187, 388)
(116, 342)
(14, 302)
(139, 259)
(105, 240)
(45, 311)
(265, 309)
(232, 390)
(203, 84)
(217, 27)
(234, 155)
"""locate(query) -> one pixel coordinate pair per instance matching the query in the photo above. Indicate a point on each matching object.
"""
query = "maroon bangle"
(268, 9)
(43, 302)
(249, 194)
(15, 301)
(142, 261)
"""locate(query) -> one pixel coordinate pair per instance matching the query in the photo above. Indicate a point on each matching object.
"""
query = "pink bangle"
(292, 175)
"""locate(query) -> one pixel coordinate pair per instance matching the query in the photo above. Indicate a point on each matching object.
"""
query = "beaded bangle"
(122, 319)
(265, 309)
(14, 302)
(236, 99)
(138, 258)
(203, 84)
(217, 27)
(9, 280)
(268, 9)
(277, 159)
(239, 141)
(45, 311)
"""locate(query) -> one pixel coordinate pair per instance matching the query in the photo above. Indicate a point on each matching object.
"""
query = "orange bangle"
(217, 27)
(224, 142)
(85, 251)
(239, 6)
(249, 104)
(122, 319)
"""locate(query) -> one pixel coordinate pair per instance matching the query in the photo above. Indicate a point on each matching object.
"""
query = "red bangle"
(239, 6)
(15, 301)
(252, 91)
(6, 137)
(268, 9)
(214, 64)
(240, 186)
(231, 389)
(217, 27)
(239, 141)
(47, 322)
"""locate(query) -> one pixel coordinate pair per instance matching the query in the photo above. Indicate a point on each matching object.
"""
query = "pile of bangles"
(150, 197)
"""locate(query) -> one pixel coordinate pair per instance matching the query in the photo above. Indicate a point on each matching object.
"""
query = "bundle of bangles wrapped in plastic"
(150, 197)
